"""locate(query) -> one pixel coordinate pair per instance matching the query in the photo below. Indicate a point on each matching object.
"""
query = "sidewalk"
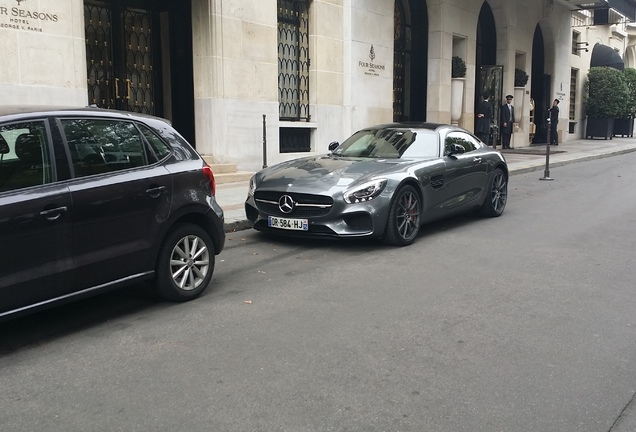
(231, 196)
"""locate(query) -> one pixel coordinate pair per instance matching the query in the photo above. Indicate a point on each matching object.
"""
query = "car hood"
(326, 173)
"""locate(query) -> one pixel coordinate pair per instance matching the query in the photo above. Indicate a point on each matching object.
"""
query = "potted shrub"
(521, 78)
(607, 95)
(624, 125)
(458, 67)
(458, 76)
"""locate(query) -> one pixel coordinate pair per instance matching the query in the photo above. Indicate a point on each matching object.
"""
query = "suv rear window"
(160, 148)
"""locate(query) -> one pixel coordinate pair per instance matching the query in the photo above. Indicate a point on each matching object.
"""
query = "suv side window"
(25, 158)
(100, 145)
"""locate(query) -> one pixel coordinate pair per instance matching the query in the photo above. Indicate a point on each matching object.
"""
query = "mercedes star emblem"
(286, 204)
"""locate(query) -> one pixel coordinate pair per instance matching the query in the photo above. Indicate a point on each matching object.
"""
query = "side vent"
(437, 182)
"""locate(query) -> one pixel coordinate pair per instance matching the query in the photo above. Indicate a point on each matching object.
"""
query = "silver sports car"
(384, 181)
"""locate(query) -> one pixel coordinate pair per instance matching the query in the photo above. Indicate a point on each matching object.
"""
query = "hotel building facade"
(248, 79)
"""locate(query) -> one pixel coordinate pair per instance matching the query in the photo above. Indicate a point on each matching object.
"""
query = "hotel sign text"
(19, 18)
(371, 68)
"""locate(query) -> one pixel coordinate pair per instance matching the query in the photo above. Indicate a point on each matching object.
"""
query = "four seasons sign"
(22, 17)
(370, 67)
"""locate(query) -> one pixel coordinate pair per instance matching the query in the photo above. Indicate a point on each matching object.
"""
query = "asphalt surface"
(519, 323)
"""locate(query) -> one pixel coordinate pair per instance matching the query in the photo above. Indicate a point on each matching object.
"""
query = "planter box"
(518, 102)
(603, 128)
(624, 127)
(457, 99)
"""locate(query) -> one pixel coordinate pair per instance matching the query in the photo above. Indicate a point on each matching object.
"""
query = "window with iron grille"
(575, 40)
(573, 80)
(293, 60)
(293, 140)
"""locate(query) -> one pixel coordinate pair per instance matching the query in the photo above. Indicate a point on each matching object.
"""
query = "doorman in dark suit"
(554, 121)
(484, 117)
(506, 118)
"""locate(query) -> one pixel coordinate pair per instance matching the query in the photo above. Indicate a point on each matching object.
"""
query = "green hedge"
(607, 93)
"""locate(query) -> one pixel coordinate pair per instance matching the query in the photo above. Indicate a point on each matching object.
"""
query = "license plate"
(289, 224)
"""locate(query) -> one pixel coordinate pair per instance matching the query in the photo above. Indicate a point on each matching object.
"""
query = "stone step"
(232, 177)
(227, 173)
(222, 168)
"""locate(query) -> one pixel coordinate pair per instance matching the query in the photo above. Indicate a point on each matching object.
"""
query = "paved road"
(521, 323)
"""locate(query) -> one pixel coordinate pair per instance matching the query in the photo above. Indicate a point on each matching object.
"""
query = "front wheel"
(404, 217)
(497, 194)
(185, 264)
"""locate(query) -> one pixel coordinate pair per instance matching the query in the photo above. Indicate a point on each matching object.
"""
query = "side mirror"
(456, 149)
(4, 147)
(333, 145)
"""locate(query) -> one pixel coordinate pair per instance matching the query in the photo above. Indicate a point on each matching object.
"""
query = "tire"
(497, 195)
(185, 264)
(404, 217)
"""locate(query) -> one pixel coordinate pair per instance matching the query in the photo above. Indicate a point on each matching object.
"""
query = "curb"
(571, 161)
(239, 225)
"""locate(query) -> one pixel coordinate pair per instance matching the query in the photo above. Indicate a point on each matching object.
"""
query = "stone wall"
(43, 54)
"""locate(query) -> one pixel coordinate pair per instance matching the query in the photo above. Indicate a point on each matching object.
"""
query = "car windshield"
(390, 144)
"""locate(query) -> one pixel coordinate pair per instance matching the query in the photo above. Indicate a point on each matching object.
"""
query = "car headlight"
(365, 192)
(252, 187)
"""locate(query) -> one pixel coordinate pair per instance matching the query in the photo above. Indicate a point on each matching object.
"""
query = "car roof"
(15, 112)
(416, 125)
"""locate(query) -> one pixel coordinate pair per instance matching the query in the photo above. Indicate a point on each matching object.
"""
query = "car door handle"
(53, 214)
(155, 192)
(477, 159)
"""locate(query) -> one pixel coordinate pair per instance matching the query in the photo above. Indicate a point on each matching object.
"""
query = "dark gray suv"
(94, 199)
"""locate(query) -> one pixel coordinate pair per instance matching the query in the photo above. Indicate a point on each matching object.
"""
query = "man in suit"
(484, 117)
(506, 118)
(554, 121)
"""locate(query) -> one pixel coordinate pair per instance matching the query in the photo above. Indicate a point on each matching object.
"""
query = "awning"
(624, 7)
(603, 55)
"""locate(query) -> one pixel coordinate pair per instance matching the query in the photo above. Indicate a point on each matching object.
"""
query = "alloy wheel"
(189, 262)
(408, 215)
(499, 192)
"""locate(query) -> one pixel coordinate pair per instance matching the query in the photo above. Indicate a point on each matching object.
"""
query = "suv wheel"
(185, 264)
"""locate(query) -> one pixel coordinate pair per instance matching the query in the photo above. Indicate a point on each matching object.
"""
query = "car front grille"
(306, 205)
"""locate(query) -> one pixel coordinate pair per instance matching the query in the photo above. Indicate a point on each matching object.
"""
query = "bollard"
(264, 142)
(546, 172)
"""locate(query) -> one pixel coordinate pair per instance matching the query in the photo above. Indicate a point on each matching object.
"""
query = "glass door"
(491, 81)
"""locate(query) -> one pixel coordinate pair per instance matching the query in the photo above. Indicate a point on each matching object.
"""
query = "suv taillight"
(210, 176)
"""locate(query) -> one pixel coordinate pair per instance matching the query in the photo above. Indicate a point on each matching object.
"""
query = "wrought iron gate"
(120, 57)
(401, 60)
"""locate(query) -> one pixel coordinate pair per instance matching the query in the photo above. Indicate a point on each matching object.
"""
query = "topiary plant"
(458, 67)
(521, 78)
(607, 93)
(630, 81)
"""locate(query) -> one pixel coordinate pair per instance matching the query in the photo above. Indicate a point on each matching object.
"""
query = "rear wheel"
(404, 217)
(497, 195)
(185, 264)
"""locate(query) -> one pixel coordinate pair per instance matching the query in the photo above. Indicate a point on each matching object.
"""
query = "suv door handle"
(477, 159)
(53, 214)
(155, 192)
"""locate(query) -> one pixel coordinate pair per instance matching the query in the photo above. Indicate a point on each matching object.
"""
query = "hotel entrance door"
(121, 54)
(139, 58)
